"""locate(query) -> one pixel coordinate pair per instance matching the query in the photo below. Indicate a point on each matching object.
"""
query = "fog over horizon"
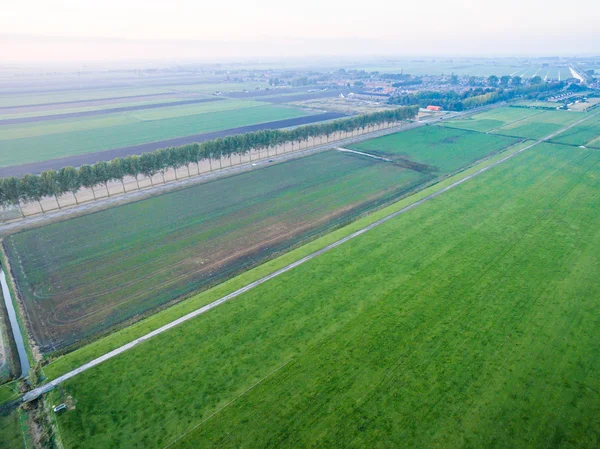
(75, 31)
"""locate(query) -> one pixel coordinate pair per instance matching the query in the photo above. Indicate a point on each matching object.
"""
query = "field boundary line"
(35, 393)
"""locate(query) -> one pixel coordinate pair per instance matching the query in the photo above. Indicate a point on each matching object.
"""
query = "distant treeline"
(14, 191)
(413, 82)
(454, 101)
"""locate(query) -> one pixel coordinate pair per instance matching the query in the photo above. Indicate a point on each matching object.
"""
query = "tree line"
(479, 96)
(31, 188)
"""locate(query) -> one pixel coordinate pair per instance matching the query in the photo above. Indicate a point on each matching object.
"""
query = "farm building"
(434, 108)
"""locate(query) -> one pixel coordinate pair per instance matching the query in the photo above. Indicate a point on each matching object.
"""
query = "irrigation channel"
(37, 392)
(14, 325)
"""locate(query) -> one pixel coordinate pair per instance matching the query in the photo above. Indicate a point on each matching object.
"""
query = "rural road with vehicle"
(35, 393)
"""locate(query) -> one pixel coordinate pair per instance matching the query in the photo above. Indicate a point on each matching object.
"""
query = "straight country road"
(35, 393)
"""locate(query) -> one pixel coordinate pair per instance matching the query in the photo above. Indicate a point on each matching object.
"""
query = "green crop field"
(21, 144)
(435, 148)
(586, 133)
(81, 276)
(48, 110)
(494, 118)
(75, 108)
(84, 94)
(46, 128)
(540, 125)
(11, 436)
(76, 95)
(470, 321)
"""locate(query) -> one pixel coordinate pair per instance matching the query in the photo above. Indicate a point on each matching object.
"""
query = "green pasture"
(48, 140)
(470, 321)
(76, 95)
(11, 435)
(54, 110)
(439, 148)
(46, 128)
(540, 125)
(85, 275)
(491, 119)
(119, 337)
(586, 133)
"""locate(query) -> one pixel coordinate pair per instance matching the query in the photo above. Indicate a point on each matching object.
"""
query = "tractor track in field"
(37, 392)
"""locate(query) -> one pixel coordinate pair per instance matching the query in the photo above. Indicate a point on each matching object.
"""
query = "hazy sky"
(311, 27)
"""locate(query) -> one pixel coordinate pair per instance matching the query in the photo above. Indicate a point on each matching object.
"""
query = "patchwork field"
(205, 233)
(435, 149)
(491, 119)
(84, 275)
(586, 133)
(540, 125)
(70, 93)
(97, 105)
(75, 95)
(470, 321)
(520, 122)
(41, 141)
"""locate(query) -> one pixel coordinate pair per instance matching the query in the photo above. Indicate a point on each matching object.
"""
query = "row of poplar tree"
(15, 191)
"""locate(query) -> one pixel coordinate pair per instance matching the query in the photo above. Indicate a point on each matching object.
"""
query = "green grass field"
(468, 322)
(586, 133)
(53, 110)
(47, 128)
(540, 125)
(81, 276)
(21, 144)
(11, 436)
(520, 122)
(493, 118)
(76, 95)
(438, 148)
(130, 91)
(73, 359)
